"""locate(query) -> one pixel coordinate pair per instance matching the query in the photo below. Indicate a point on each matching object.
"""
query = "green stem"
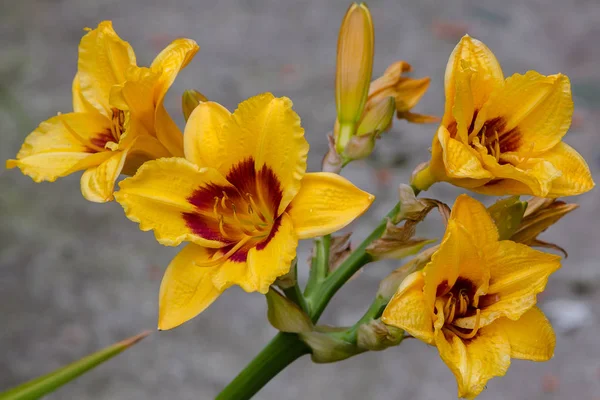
(374, 312)
(359, 257)
(294, 293)
(319, 265)
(281, 351)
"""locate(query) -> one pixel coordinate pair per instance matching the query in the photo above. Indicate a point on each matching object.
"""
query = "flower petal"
(575, 175)
(407, 309)
(60, 146)
(159, 198)
(80, 104)
(202, 136)
(476, 220)
(143, 148)
(168, 63)
(186, 289)
(97, 183)
(104, 59)
(441, 272)
(273, 257)
(136, 96)
(534, 177)
(517, 274)
(531, 337)
(476, 361)
(536, 108)
(473, 57)
(326, 203)
(460, 160)
(267, 130)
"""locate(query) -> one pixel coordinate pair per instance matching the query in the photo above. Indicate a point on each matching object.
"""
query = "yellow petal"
(271, 259)
(537, 107)
(97, 183)
(104, 58)
(80, 104)
(476, 220)
(390, 77)
(186, 289)
(142, 149)
(575, 175)
(409, 91)
(408, 310)
(531, 337)
(460, 160)
(476, 361)
(158, 198)
(267, 130)
(168, 63)
(326, 203)
(535, 177)
(485, 71)
(202, 135)
(517, 274)
(60, 146)
(441, 272)
(136, 96)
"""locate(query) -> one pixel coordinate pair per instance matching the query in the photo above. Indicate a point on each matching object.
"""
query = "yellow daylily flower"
(504, 136)
(118, 119)
(475, 300)
(242, 200)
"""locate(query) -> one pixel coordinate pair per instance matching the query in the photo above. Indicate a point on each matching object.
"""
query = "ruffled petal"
(534, 177)
(61, 146)
(97, 183)
(161, 197)
(80, 104)
(407, 310)
(104, 58)
(202, 136)
(167, 64)
(476, 361)
(325, 204)
(575, 175)
(186, 289)
(531, 337)
(517, 274)
(535, 110)
(266, 130)
(272, 258)
(474, 58)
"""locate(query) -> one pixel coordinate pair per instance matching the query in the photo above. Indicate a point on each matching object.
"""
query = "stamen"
(452, 311)
(463, 299)
(497, 146)
(448, 305)
(224, 257)
(473, 332)
(221, 227)
(215, 209)
(223, 200)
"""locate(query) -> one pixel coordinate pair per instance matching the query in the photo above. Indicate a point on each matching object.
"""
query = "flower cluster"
(234, 188)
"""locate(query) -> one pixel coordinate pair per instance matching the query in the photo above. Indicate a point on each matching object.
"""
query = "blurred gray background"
(77, 276)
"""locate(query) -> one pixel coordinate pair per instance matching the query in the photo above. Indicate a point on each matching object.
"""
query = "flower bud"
(190, 100)
(377, 118)
(285, 315)
(359, 147)
(376, 336)
(354, 67)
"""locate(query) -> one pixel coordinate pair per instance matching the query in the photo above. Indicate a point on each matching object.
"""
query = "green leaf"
(43, 385)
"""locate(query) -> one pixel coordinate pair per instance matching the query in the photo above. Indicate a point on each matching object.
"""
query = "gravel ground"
(77, 276)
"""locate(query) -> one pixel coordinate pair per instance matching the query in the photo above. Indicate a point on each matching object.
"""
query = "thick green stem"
(359, 257)
(281, 351)
(374, 312)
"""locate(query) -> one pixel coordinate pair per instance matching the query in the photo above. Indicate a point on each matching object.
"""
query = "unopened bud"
(354, 67)
(377, 118)
(190, 100)
(376, 336)
(285, 315)
(359, 147)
